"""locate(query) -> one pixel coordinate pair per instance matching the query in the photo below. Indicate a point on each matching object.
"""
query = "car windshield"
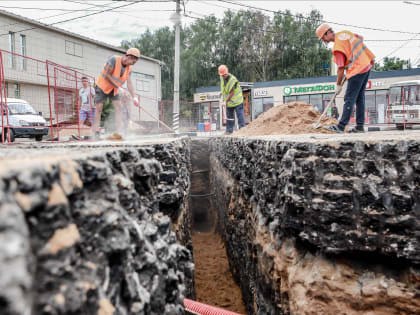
(21, 108)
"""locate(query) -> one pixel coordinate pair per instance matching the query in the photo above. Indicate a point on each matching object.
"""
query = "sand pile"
(292, 118)
(115, 137)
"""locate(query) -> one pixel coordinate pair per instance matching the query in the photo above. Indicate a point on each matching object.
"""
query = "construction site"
(162, 212)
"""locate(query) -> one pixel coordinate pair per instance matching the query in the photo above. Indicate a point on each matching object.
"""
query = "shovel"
(318, 123)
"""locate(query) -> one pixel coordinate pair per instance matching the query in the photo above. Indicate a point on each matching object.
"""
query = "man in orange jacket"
(353, 57)
(114, 74)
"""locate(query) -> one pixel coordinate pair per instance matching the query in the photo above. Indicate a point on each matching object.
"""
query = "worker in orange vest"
(114, 74)
(352, 57)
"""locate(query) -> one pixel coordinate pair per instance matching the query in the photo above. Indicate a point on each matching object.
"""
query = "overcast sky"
(130, 21)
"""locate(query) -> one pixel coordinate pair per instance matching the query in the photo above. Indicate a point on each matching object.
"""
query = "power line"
(312, 38)
(55, 15)
(330, 22)
(395, 50)
(75, 18)
(72, 10)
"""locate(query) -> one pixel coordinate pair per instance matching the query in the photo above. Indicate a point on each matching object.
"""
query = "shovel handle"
(329, 104)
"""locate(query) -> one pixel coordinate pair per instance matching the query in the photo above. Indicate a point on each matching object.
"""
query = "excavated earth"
(321, 224)
(311, 224)
(95, 228)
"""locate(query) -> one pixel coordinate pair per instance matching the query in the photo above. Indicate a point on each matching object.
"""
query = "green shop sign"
(306, 89)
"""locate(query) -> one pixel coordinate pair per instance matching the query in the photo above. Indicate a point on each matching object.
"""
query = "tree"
(254, 46)
(392, 63)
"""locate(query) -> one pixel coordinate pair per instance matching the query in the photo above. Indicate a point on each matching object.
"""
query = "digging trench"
(274, 225)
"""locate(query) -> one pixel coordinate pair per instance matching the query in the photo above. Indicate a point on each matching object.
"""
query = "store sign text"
(306, 89)
(261, 93)
(371, 84)
(204, 97)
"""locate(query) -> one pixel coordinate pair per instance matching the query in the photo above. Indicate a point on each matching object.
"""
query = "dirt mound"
(115, 137)
(292, 118)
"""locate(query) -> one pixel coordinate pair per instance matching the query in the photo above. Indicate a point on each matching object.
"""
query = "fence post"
(55, 101)
(49, 98)
(78, 107)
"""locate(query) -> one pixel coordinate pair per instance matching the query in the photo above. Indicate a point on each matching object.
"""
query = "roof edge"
(62, 31)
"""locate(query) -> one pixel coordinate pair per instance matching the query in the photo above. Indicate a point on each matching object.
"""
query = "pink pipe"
(197, 308)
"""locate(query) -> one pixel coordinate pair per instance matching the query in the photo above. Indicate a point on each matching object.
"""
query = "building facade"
(316, 91)
(25, 78)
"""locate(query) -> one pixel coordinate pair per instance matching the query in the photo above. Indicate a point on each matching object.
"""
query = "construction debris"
(292, 118)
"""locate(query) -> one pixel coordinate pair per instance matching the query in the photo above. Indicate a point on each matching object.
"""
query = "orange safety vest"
(358, 56)
(103, 82)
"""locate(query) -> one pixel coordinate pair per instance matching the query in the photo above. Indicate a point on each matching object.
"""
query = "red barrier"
(39, 99)
(196, 308)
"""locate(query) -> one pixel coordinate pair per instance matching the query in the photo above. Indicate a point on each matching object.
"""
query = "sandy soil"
(214, 283)
(115, 136)
(292, 118)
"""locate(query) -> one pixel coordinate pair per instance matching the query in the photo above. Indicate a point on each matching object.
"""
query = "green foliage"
(392, 63)
(255, 47)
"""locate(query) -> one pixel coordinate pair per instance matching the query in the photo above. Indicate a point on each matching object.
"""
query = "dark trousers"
(230, 117)
(355, 93)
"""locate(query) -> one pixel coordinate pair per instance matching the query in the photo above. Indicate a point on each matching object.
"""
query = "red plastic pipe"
(196, 308)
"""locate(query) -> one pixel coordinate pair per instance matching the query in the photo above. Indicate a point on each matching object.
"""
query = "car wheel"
(400, 126)
(38, 138)
(6, 138)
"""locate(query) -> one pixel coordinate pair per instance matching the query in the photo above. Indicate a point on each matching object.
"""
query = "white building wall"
(70, 51)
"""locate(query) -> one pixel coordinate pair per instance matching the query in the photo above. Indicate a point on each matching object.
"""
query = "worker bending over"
(352, 56)
(114, 74)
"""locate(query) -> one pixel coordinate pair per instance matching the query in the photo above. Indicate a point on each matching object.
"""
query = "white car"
(24, 121)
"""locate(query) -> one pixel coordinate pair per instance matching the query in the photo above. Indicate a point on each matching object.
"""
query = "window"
(139, 85)
(370, 106)
(268, 102)
(23, 51)
(381, 105)
(289, 99)
(326, 98)
(12, 59)
(17, 90)
(303, 98)
(73, 49)
(142, 85)
(316, 101)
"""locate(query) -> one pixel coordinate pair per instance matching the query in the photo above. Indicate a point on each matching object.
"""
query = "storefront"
(316, 91)
(319, 91)
(207, 109)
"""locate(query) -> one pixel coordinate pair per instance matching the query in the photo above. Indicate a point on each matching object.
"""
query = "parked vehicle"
(24, 121)
(404, 103)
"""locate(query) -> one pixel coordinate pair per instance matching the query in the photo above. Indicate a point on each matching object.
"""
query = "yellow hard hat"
(321, 30)
(133, 52)
(223, 70)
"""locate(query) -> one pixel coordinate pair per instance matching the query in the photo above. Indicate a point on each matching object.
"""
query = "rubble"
(88, 234)
(326, 226)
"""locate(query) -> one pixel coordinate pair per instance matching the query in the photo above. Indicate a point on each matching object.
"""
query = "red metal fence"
(42, 100)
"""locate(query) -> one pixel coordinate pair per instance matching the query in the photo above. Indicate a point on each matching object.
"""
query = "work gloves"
(338, 89)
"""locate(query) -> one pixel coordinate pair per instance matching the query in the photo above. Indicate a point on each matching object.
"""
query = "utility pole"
(176, 18)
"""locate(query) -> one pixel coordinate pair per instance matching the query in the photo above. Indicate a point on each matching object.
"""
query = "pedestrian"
(352, 57)
(87, 104)
(114, 74)
(232, 98)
